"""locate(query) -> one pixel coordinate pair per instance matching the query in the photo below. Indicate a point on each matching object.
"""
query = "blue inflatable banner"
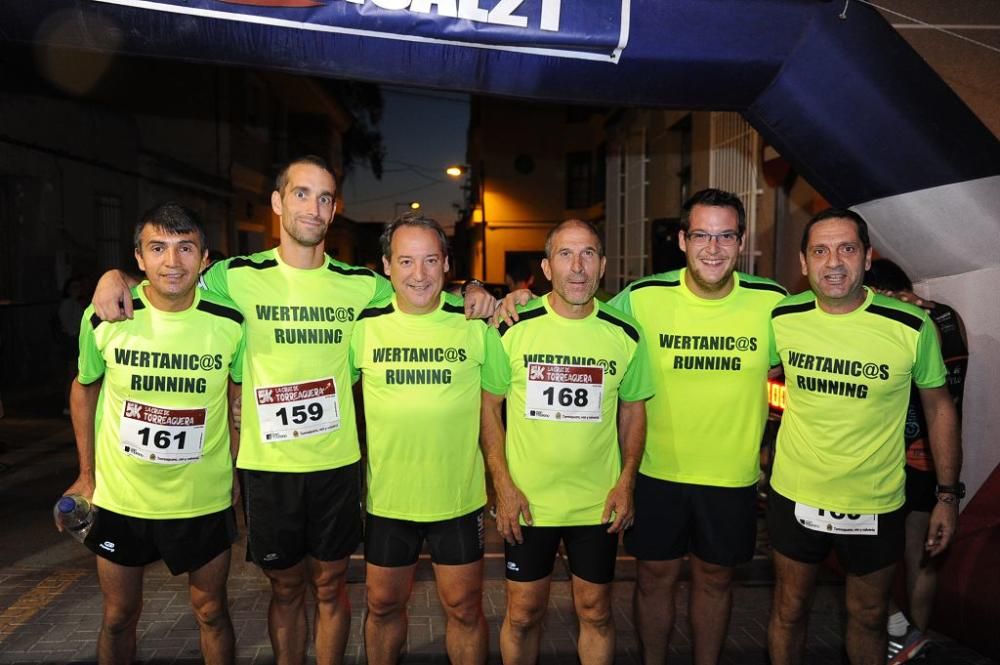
(591, 30)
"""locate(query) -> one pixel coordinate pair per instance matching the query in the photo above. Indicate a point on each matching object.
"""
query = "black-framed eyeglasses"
(726, 238)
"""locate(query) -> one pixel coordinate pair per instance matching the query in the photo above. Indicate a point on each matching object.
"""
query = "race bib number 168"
(564, 392)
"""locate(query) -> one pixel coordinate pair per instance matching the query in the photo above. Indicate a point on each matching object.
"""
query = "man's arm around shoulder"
(946, 449)
(113, 296)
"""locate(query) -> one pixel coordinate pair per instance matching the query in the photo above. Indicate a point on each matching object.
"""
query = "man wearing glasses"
(707, 334)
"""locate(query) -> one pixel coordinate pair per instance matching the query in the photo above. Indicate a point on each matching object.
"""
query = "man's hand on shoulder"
(507, 310)
(113, 296)
(479, 303)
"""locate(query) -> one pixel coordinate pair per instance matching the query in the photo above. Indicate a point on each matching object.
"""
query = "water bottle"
(75, 515)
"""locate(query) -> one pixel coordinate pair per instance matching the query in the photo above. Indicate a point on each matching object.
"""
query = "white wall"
(976, 297)
(947, 239)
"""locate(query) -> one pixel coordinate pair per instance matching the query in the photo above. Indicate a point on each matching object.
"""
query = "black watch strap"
(958, 489)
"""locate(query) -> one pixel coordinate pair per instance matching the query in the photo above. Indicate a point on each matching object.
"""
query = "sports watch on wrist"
(950, 493)
(471, 282)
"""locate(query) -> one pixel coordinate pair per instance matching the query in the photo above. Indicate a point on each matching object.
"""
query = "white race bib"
(162, 435)
(843, 524)
(564, 392)
(296, 410)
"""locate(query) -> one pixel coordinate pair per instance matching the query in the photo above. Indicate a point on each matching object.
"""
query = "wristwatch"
(950, 493)
(472, 282)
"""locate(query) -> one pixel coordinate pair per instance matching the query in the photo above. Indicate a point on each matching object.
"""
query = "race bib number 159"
(296, 410)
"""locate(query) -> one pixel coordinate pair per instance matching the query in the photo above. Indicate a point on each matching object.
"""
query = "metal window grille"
(733, 158)
(627, 227)
(614, 202)
(108, 216)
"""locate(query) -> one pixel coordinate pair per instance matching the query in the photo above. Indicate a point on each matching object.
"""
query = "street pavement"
(50, 603)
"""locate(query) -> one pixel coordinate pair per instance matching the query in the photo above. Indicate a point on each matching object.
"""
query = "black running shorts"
(185, 544)
(858, 554)
(716, 524)
(393, 543)
(591, 551)
(292, 515)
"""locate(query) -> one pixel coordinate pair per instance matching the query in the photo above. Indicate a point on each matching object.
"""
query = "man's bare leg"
(711, 604)
(921, 570)
(122, 590)
(521, 631)
(333, 609)
(596, 645)
(460, 589)
(388, 590)
(207, 587)
(867, 600)
(653, 604)
(793, 589)
(286, 615)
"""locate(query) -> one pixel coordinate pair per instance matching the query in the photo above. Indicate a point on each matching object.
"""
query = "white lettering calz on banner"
(596, 30)
(504, 12)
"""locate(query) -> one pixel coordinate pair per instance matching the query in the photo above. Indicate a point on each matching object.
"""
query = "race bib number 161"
(162, 435)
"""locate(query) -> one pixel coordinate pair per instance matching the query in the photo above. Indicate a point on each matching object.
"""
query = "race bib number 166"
(844, 524)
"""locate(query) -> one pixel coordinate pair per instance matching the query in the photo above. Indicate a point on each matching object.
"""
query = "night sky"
(424, 132)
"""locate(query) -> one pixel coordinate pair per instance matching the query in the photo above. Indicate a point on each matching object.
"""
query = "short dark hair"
(573, 222)
(884, 275)
(837, 213)
(173, 218)
(414, 219)
(282, 178)
(718, 198)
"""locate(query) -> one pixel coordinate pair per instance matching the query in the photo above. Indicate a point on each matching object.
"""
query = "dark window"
(683, 127)
(578, 180)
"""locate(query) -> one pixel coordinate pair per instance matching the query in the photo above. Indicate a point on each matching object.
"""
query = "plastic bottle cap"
(67, 504)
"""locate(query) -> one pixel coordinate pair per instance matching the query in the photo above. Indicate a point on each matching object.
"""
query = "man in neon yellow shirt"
(849, 356)
(150, 412)
(708, 338)
(299, 447)
(576, 375)
(421, 361)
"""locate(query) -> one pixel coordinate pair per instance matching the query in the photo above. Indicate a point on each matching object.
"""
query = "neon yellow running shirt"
(298, 411)
(422, 390)
(710, 361)
(563, 379)
(161, 446)
(840, 446)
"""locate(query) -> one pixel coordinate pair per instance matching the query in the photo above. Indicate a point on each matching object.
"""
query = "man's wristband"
(957, 490)
(471, 282)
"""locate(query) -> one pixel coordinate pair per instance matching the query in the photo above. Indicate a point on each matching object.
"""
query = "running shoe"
(906, 648)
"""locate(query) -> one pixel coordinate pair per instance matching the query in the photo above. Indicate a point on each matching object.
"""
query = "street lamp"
(412, 205)
(458, 170)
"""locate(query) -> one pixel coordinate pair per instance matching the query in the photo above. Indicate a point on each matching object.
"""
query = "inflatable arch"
(839, 94)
